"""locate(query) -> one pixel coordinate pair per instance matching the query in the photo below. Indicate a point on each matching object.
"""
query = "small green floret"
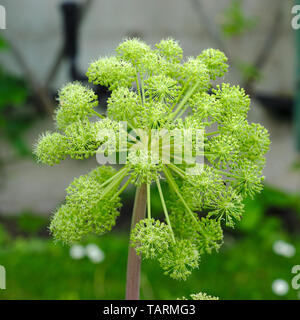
(151, 238)
(179, 261)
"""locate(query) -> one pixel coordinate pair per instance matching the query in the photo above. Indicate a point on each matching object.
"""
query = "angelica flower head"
(164, 99)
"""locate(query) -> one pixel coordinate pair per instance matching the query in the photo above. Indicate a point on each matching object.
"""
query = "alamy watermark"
(153, 146)
(296, 278)
(2, 18)
(2, 278)
(295, 22)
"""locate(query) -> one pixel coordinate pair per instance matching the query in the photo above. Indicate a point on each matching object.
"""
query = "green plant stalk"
(177, 170)
(164, 208)
(98, 114)
(121, 171)
(118, 179)
(134, 261)
(228, 174)
(174, 186)
(211, 133)
(180, 95)
(182, 111)
(126, 184)
(143, 91)
(148, 201)
(138, 86)
(184, 100)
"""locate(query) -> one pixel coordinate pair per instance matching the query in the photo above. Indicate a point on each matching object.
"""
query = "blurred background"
(49, 43)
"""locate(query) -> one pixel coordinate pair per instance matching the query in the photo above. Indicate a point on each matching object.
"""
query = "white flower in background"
(95, 254)
(283, 248)
(280, 287)
(77, 252)
(92, 251)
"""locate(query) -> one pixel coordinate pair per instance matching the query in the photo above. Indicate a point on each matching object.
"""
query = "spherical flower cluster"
(180, 259)
(111, 72)
(157, 89)
(51, 148)
(161, 88)
(151, 238)
(122, 104)
(196, 72)
(170, 50)
(144, 167)
(215, 61)
(89, 208)
(76, 103)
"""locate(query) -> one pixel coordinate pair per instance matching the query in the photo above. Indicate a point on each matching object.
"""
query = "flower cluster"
(200, 296)
(157, 89)
(151, 238)
(89, 208)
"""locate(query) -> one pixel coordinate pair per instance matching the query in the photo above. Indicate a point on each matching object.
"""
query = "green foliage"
(249, 71)
(248, 179)
(209, 236)
(13, 117)
(238, 271)
(4, 236)
(206, 107)
(13, 91)
(167, 88)
(31, 223)
(268, 198)
(236, 22)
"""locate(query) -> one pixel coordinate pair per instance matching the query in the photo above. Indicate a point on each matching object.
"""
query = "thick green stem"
(134, 261)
